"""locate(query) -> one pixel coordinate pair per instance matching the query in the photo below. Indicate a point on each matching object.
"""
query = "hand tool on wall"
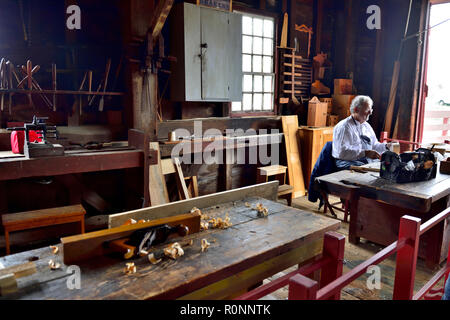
(2, 82)
(54, 85)
(102, 100)
(81, 88)
(35, 84)
(89, 83)
(30, 82)
(10, 67)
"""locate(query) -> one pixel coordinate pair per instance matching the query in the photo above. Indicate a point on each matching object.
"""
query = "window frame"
(275, 17)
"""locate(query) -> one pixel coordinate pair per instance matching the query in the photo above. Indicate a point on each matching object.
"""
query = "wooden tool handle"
(123, 248)
(356, 168)
(108, 67)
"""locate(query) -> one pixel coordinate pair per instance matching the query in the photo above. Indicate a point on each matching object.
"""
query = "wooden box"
(343, 86)
(312, 141)
(332, 120)
(317, 113)
(341, 105)
(445, 167)
(329, 101)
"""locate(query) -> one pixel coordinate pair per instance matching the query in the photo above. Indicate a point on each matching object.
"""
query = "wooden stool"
(285, 191)
(41, 218)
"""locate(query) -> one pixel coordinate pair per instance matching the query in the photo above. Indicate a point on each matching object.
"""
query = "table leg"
(8, 250)
(82, 224)
(354, 200)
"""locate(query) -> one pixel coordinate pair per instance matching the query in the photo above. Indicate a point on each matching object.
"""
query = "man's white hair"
(359, 101)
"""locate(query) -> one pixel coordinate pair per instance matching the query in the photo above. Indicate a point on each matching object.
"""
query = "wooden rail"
(406, 248)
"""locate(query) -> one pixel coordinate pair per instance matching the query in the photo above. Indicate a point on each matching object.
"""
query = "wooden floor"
(353, 256)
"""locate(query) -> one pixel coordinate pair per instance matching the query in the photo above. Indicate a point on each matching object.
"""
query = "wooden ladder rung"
(295, 82)
(290, 91)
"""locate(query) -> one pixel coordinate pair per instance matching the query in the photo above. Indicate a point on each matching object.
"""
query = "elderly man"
(354, 141)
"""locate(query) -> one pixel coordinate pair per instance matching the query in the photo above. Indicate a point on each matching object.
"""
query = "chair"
(325, 165)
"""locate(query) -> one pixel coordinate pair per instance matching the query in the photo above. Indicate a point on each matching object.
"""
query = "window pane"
(268, 28)
(236, 106)
(247, 101)
(268, 84)
(247, 86)
(257, 27)
(267, 64)
(257, 45)
(257, 86)
(268, 47)
(267, 101)
(256, 63)
(247, 25)
(246, 63)
(246, 44)
(257, 101)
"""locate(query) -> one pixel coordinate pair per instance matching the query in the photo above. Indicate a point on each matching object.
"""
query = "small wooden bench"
(285, 191)
(41, 218)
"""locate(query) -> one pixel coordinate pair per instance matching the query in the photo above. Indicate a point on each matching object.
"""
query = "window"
(258, 80)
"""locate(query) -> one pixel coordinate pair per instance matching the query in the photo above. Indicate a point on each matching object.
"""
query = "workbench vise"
(40, 147)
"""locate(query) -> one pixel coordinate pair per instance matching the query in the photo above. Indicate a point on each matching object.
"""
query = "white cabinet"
(208, 46)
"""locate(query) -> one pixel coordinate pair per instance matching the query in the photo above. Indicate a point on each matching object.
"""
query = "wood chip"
(205, 244)
(152, 259)
(174, 251)
(54, 265)
(55, 249)
(129, 268)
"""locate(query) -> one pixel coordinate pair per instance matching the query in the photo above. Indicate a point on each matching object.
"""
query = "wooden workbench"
(239, 257)
(376, 206)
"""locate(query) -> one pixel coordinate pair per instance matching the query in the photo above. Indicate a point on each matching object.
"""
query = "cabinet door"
(214, 42)
(235, 57)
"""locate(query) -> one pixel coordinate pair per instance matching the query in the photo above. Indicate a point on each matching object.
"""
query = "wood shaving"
(129, 268)
(220, 223)
(262, 211)
(204, 225)
(54, 265)
(205, 244)
(55, 249)
(152, 259)
(129, 222)
(174, 251)
(248, 205)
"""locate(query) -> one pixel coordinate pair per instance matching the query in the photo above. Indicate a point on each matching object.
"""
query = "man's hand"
(372, 154)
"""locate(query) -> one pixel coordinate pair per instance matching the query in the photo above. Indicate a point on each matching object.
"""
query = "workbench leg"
(82, 224)
(354, 200)
(8, 250)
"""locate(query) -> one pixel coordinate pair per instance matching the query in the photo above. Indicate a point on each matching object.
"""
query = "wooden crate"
(343, 86)
(317, 113)
(332, 120)
(312, 141)
(341, 105)
(329, 101)
(445, 167)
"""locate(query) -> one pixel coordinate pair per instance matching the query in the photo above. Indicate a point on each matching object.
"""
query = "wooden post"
(302, 288)
(405, 270)
(333, 247)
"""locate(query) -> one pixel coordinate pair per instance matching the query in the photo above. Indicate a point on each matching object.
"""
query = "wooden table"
(376, 206)
(238, 258)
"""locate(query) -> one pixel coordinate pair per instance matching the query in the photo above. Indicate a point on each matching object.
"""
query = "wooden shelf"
(23, 91)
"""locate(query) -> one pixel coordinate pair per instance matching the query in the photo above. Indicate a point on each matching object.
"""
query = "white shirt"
(347, 143)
